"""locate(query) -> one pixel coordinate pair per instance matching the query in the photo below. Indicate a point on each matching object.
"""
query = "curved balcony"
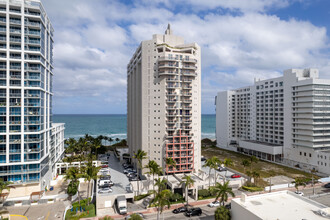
(167, 72)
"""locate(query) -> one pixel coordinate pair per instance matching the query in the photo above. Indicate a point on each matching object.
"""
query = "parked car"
(235, 176)
(203, 159)
(214, 204)
(126, 171)
(104, 166)
(220, 168)
(106, 185)
(327, 185)
(129, 216)
(146, 202)
(105, 190)
(179, 210)
(299, 193)
(193, 212)
(228, 206)
(104, 182)
(128, 166)
(134, 178)
(130, 175)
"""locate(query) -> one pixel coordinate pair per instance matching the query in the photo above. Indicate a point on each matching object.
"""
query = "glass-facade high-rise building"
(30, 143)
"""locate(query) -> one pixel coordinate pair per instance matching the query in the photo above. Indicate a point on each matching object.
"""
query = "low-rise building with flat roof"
(281, 205)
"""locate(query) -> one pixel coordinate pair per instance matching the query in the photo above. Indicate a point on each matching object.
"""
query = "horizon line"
(104, 114)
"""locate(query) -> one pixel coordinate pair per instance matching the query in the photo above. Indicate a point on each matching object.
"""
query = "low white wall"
(261, 147)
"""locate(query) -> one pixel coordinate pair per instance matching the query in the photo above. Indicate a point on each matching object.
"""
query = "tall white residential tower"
(164, 101)
(30, 143)
(284, 119)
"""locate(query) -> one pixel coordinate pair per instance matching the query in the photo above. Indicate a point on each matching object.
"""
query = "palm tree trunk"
(215, 176)
(88, 192)
(209, 178)
(187, 195)
(153, 183)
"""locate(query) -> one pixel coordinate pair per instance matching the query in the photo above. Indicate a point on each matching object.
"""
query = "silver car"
(105, 190)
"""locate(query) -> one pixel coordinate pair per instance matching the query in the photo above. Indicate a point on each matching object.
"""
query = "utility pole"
(270, 184)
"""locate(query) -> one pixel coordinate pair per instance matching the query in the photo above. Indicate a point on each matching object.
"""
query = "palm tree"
(222, 213)
(299, 182)
(187, 183)
(222, 191)
(110, 140)
(245, 163)
(140, 155)
(117, 139)
(253, 159)
(73, 174)
(170, 162)
(256, 176)
(212, 163)
(161, 200)
(153, 169)
(5, 185)
(227, 162)
(161, 184)
(90, 173)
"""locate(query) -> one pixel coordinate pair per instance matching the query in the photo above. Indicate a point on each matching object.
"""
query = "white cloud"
(94, 41)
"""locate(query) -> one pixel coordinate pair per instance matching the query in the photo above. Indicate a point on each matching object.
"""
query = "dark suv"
(193, 212)
(180, 209)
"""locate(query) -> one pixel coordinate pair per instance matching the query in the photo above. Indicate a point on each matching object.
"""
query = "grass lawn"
(266, 169)
(90, 211)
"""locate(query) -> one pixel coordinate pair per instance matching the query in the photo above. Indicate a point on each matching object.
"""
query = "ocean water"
(114, 126)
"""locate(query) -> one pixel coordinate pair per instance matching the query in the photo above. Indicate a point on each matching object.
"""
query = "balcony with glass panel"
(14, 120)
(3, 20)
(3, 38)
(14, 128)
(14, 158)
(32, 128)
(15, 30)
(15, 22)
(32, 138)
(32, 111)
(15, 102)
(16, 10)
(32, 93)
(31, 156)
(15, 40)
(3, 29)
(33, 24)
(33, 33)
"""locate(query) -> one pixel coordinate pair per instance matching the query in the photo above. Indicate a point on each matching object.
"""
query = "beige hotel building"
(164, 102)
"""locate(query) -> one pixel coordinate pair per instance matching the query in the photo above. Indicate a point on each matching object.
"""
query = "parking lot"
(220, 174)
(118, 178)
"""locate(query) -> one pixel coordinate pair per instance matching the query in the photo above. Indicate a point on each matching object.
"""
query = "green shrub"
(73, 188)
(222, 213)
(176, 197)
(135, 216)
(142, 196)
(204, 193)
(89, 210)
(252, 188)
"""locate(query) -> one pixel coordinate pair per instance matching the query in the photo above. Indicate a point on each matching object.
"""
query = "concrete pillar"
(196, 194)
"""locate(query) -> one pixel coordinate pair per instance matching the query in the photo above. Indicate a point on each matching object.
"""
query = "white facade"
(290, 112)
(30, 143)
(164, 101)
(283, 205)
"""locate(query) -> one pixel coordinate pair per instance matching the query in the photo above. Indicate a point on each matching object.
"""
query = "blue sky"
(240, 40)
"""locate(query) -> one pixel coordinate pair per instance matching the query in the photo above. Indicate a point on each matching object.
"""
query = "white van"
(102, 182)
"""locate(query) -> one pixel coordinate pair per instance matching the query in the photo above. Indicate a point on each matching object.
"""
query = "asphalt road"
(208, 214)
